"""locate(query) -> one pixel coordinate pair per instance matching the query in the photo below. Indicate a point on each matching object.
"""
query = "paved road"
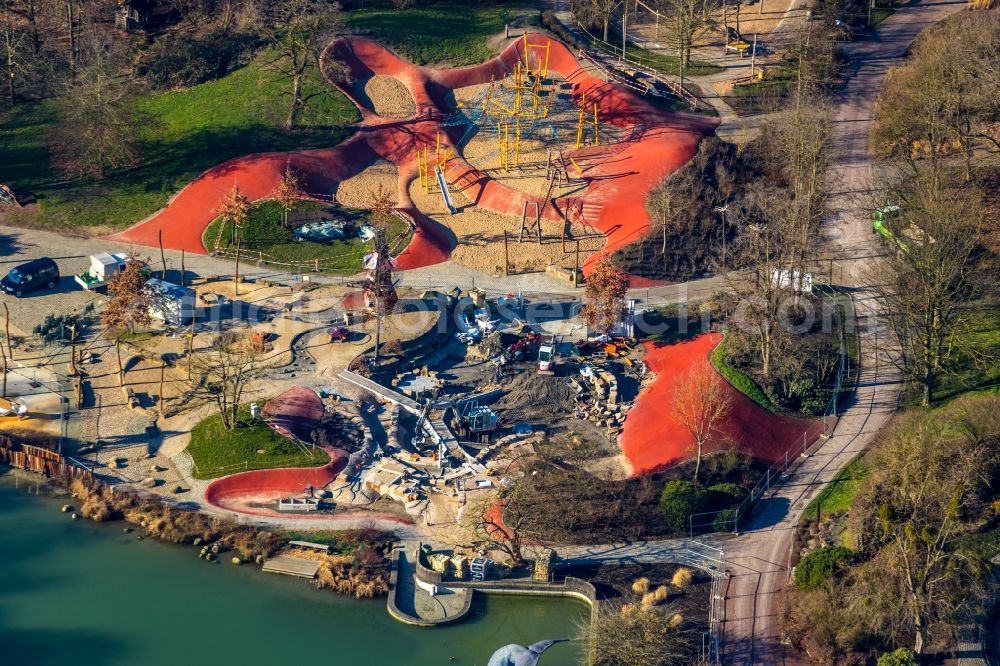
(759, 559)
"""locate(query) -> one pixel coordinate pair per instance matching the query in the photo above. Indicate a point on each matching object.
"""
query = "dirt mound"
(534, 398)
(390, 98)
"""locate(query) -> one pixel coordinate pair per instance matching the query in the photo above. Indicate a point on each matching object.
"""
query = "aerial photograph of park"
(500, 332)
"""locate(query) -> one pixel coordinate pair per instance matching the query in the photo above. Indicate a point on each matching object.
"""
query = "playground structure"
(529, 126)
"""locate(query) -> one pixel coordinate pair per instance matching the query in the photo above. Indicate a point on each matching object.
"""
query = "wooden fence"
(39, 460)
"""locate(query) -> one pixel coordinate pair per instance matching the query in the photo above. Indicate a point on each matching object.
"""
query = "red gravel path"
(652, 439)
(620, 176)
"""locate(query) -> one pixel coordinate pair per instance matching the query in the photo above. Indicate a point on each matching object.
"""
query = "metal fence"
(728, 520)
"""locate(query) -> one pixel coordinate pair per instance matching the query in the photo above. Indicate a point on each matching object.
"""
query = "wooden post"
(182, 268)
(6, 317)
(236, 276)
(753, 53)
(506, 255)
(163, 258)
(577, 262)
(4, 371)
(121, 368)
(564, 225)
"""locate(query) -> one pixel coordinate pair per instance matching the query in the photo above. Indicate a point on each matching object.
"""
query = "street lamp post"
(723, 210)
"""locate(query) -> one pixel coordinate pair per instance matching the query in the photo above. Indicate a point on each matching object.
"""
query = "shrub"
(649, 599)
(640, 586)
(812, 398)
(900, 657)
(740, 380)
(818, 566)
(678, 501)
(723, 496)
(682, 578)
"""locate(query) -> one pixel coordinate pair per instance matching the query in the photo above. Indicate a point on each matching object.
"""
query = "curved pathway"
(759, 559)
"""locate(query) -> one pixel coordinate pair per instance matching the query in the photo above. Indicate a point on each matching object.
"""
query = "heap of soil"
(337, 430)
(535, 398)
(389, 97)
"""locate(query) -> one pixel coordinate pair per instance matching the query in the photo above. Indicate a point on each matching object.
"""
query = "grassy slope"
(838, 494)
(185, 132)
(982, 371)
(263, 232)
(212, 447)
(445, 32)
(741, 381)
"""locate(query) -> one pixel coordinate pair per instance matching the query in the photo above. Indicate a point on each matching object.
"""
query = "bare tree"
(596, 12)
(927, 487)
(685, 21)
(130, 300)
(380, 292)
(97, 127)
(928, 277)
(941, 102)
(604, 296)
(224, 375)
(15, 42)
(288, 192)
(701, 403)
(295, 28)
(764, 253)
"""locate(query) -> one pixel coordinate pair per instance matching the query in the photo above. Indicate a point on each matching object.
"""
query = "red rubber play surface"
(652, 439)
(236, 492)
(619, 176)
(295, 413)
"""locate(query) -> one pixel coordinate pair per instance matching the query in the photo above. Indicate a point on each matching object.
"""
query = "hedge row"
(740, 380)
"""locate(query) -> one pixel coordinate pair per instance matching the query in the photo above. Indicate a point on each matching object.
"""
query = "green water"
(86, 594)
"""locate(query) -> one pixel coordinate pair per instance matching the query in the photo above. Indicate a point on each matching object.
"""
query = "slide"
(443, 184)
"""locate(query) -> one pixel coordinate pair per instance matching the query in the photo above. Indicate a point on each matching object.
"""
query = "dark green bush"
(818, 566)
(900, 657)
(678, 501)
(812, 398)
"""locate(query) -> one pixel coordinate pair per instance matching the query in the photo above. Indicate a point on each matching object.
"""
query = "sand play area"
(511, 134)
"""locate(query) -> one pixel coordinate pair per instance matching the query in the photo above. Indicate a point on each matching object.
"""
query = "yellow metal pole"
(579, 129)
(597, 139)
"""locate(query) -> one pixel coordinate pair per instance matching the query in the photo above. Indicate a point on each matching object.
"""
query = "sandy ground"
(357, 192)
(543, 139)
(480, 237)
(389, 97)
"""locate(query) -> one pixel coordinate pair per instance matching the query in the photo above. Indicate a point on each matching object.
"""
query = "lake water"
(82, 593)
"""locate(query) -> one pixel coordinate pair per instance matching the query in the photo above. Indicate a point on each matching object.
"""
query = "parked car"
(38, 274)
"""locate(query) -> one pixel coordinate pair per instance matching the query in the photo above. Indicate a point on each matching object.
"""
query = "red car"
(339, 334)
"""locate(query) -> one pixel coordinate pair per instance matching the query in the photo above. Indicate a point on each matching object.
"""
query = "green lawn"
(442, 33)
(981, 369)
(185, 132)
(264, 233)
(219, 452)
(836, 497)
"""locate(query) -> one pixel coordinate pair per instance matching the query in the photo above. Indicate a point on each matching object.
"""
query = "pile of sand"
(389, 97)
(480, 237)
(358, 192)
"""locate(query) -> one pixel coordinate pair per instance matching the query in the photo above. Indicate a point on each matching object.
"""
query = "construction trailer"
(103, 267)
(171, 303)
